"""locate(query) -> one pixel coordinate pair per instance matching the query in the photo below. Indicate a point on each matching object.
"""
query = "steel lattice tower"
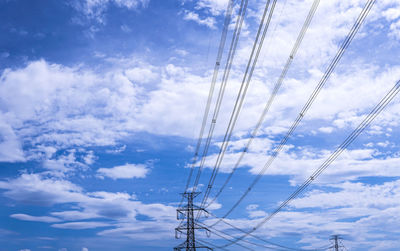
(188, 225)
(337, 246)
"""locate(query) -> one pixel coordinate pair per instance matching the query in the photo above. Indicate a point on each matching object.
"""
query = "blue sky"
(101, 102)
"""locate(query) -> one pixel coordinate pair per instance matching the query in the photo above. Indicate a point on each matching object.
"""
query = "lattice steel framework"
(188, 225)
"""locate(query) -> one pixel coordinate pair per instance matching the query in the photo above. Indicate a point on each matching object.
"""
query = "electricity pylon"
(336, 238)
(188, 225)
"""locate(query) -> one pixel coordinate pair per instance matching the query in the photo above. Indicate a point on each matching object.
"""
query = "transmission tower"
(337, 245)
(188, 225)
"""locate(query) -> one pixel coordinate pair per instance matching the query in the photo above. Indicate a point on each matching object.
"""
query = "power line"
(356, 132)
(242, 92)
(228, 65)
(309, 102)
(276, 246)
(210, 244)
(211, 91)
(259, 238)
(247, 241)
(244, 85)
(272, 96)
(214, 231)
(219, 233)
(190, 227)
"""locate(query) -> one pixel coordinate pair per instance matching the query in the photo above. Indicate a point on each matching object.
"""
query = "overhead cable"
(206, 243)
(255, 52)
(261, 239)
(225, 76)
(308, 104)
(355, 133)
(272, 96)
(228, 15)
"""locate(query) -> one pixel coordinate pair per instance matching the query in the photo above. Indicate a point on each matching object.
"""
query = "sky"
(101, 103)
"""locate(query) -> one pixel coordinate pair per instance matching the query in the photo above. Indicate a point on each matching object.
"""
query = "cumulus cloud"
(77, 107)
(46, 83)
(34, 189)
(326, 129)
(357, 195)
(64, 107)
(127, 171)
(141, 74)
(299, 162)
(321, 213)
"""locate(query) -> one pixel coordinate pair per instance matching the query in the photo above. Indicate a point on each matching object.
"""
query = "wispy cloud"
(193, 16)
(95, 9)
(81, 225)
(120, 208)
(27, 217)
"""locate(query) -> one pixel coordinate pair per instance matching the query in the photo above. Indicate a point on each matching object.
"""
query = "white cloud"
(141, 74)
(112, 105)
(181, 52)
(326, 129)
(125, 28)
(193, 16)
(89, 158)
(383, 144)
(72, 106)
(127, 171)
(216, 7)
(252, 207)
(392, 13)
(131, 4)
(34, 189)
(26, 217)
(10, 146)
(254, 213)
(117, 150)
(395, 30)
(118, 208)
(80, 108)
(74, 215)
(63, 164)
(4, 54)
(69, 104)
(85, 249)
(81, 225)
(94, 9)
(300, 161)
(354, 210)
(141, 230)
(66, 107)
(357, 195)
